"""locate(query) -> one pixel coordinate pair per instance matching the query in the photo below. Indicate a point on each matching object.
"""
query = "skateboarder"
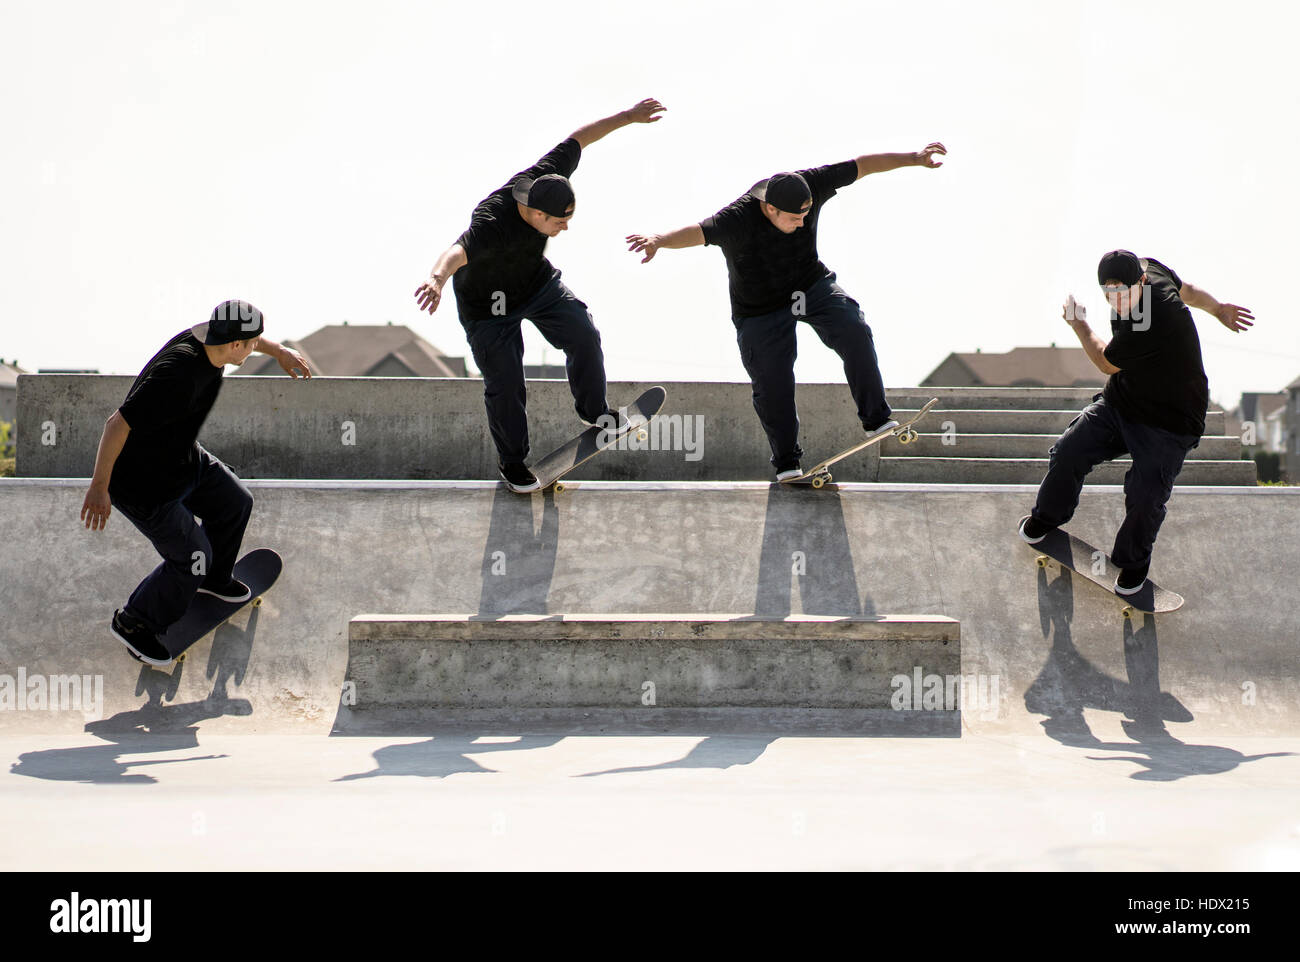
(501, 276)
(151, 467)
(769, 239)
(1153, 406)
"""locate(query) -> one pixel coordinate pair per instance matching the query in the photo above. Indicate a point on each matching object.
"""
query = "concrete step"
(1010, 421)
(994, 398)
(1032, 470)
(931, 445)
(406, 666)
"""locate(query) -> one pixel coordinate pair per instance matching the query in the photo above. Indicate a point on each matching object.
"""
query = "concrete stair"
(1002, 436)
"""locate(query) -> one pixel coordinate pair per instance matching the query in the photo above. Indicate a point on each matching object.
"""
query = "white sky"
(314, 158)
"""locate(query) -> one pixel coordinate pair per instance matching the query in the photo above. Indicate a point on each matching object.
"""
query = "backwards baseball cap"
(550, 193)
(785, 191)
(230, 321)
(1122, 266)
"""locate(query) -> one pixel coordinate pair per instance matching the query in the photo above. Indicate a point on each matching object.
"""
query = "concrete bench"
(650, 671)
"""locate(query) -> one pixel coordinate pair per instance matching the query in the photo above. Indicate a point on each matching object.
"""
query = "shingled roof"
(366, 350)
(1020, 367)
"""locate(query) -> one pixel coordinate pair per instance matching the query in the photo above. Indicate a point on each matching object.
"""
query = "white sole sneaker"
(1024, 537)
(244, 597)
(1129, 591)
(789, 475)
(139, 654)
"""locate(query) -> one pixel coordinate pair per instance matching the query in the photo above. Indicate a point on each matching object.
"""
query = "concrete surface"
(1166, 744)
(190, 800)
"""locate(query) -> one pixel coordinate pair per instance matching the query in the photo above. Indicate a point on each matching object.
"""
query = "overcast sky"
(314, 158)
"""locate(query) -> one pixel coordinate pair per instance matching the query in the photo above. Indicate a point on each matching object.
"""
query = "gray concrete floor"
(455, 801)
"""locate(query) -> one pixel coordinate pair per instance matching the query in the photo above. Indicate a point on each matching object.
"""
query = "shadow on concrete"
(444, 755)
(518, 558)
(714, 751)
(1068, 683)
(806, 548)
(156, 726)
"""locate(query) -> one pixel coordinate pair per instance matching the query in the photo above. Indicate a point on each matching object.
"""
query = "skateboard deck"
(258, 569)
(1083, 559)
(581, 449)
(819, 474)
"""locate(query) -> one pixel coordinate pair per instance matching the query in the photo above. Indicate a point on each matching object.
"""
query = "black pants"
(768, 350)
(225, 505)
(1099, 434)
(497, 344)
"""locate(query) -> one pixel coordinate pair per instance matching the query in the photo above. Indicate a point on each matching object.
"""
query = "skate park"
(671, 663)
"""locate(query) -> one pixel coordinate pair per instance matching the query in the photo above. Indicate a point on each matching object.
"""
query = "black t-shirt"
(165, 409)
(1161, 381)
(504, 252)
(764, 265)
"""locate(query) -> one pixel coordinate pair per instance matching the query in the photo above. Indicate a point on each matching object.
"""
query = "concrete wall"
(1058, 649)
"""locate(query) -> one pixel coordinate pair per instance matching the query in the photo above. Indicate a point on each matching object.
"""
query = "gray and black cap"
(230, 321)
(550, 193)
(784, 191)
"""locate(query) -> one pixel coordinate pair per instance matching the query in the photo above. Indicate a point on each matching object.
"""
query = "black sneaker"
(518, 478)
(142, 643)
(1131, 580)
(1032, 530)
(884, 428)
(613, 422)
(232, 590)
(788, 468)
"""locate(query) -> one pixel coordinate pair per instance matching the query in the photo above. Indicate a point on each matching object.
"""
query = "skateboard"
(581, 449)
(1083, 559)
(258, 569)
(819, 474)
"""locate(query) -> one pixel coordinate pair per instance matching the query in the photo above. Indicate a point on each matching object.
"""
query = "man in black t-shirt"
(775, 278)
(151, 467)
(502, 277)
(1153, 406)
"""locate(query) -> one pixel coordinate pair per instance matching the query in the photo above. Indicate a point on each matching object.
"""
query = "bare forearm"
(879, 163)
(1198, 297)
(267, 346)
(689, 236)
(111, 443)
(592, 132)
(1093, 346)
(451, 260)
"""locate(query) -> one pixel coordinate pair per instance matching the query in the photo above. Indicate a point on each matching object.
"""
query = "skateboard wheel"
(559, 486)
(1042, 561)
(818, 482)
(257, 602)
(1128, 612)
(642, 436)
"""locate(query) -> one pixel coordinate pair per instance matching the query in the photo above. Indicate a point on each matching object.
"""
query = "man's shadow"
(716, 751)
(806, 545)
(156, 726)
(444, 755)
(1068, 683)
(518, 559)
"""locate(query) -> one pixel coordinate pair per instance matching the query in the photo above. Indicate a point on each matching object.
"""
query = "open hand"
(1074, 312)
(294, 364)
(1234, 317)
(429, 295)
(96, 508)
(646, 112)
(639, 242)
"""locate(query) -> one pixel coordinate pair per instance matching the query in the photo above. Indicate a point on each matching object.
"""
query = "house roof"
(1048, 366)
(354, 350)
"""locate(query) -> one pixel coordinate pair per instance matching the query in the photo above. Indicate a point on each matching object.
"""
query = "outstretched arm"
(1076, 316)
(646, 112)
(429, 294)
(690, 236)
(879, 163)
(1231, 316)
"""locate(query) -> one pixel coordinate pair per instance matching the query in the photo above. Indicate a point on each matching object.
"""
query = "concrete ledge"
(633, 661)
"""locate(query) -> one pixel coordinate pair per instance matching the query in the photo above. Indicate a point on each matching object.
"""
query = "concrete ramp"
(1054, 655)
